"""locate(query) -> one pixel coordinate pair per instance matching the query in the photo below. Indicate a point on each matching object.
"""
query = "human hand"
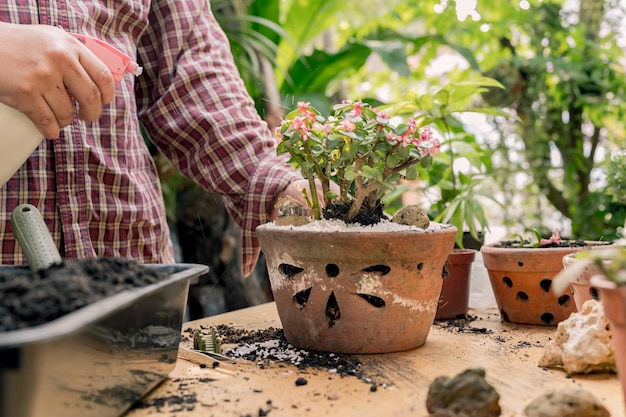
(296, 189)
(42, 68)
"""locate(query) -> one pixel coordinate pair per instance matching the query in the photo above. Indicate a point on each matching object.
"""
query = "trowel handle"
(34, 237)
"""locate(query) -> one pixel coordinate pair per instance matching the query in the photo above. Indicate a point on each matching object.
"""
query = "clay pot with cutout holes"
(356, 290)
(581, 288)
(613, 298)
(521, 279)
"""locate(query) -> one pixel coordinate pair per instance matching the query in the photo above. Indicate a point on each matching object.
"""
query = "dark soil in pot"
(366, 216)
(562, 244)
(29, 301)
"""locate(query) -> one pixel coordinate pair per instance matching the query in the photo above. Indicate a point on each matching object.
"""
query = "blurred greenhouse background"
(540, 153)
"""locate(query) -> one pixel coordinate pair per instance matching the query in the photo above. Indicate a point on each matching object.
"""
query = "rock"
(582, 343)
(412, 215)
(466, 395)
(568, 402)
(291, 213)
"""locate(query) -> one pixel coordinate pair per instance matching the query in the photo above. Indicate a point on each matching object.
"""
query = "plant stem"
(315, 203)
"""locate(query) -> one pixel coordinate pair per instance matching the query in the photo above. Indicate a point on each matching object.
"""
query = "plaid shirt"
(96, 185)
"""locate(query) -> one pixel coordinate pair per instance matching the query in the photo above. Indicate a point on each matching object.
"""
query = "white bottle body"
(18, 139)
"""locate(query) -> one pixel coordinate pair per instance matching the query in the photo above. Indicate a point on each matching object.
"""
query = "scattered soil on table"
(269, 346)
(462, 325)
(29, 301)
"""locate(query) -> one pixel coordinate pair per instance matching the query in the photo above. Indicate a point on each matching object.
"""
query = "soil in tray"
(29, 301)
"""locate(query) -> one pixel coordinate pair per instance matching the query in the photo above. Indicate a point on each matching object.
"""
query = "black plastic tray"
(99, 360)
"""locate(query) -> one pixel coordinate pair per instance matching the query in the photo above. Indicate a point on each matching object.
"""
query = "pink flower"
(392, 138)
(358, 107)
(426, 134)
(555, 238)
(348, 126)
(278, 132)
(406, 139)
(412, 125)
(434, 150)
(299, 123)
(303, 107)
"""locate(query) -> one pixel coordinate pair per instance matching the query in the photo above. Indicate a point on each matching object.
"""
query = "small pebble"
(301, 381)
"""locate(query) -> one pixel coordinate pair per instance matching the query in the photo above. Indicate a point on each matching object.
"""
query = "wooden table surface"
(508, 353)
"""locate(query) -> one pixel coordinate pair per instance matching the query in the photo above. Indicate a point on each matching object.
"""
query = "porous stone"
(412, 215)
(568, 402)
(582, 343)
(291, 213)
(466, 395)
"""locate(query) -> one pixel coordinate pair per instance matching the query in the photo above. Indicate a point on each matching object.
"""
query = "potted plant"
(521, 273)
(351, 280)
(455, 192)
(581, 288)
(610, 262)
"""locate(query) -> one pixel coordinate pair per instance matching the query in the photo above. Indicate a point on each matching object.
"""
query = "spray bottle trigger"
(118, 62)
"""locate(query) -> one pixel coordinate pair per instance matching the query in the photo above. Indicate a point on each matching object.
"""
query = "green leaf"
(411, 173)
(314, 72)
(305, 20)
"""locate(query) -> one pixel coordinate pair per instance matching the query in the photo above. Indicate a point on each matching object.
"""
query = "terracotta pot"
(613, 300)
(581, 289)
(454, 299)
(521, 279)
(358, 290)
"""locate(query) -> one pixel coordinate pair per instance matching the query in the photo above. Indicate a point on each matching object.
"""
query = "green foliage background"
(562, 68)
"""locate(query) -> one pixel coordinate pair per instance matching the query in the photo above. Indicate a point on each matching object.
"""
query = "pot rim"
(491, 248)
(270, 228)
(600, 281)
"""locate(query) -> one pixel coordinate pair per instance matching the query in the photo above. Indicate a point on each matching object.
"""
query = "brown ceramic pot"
(454, 299)
(613, 298)
(355, 291)
(521, 279)
(581, 288)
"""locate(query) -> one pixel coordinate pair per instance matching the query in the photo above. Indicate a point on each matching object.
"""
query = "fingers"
(91, 84)
(46, 88)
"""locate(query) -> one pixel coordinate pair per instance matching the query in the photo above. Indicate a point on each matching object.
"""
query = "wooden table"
(508, 353)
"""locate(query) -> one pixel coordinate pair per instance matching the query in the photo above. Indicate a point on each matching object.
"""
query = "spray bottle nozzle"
(118, 62)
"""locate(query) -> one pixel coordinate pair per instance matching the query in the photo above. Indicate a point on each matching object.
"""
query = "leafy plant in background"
(616, 178)
(460, 192)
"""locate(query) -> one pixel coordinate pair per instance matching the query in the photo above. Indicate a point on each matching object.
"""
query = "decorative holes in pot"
(373, 300)
(522, 297)
(382, 269)
(545, 284)
(332, 310)
(420, 266)
(302, 297)
(332, 270)
(289, 270)
(547, 318)
(507, 281)
(564, 300)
